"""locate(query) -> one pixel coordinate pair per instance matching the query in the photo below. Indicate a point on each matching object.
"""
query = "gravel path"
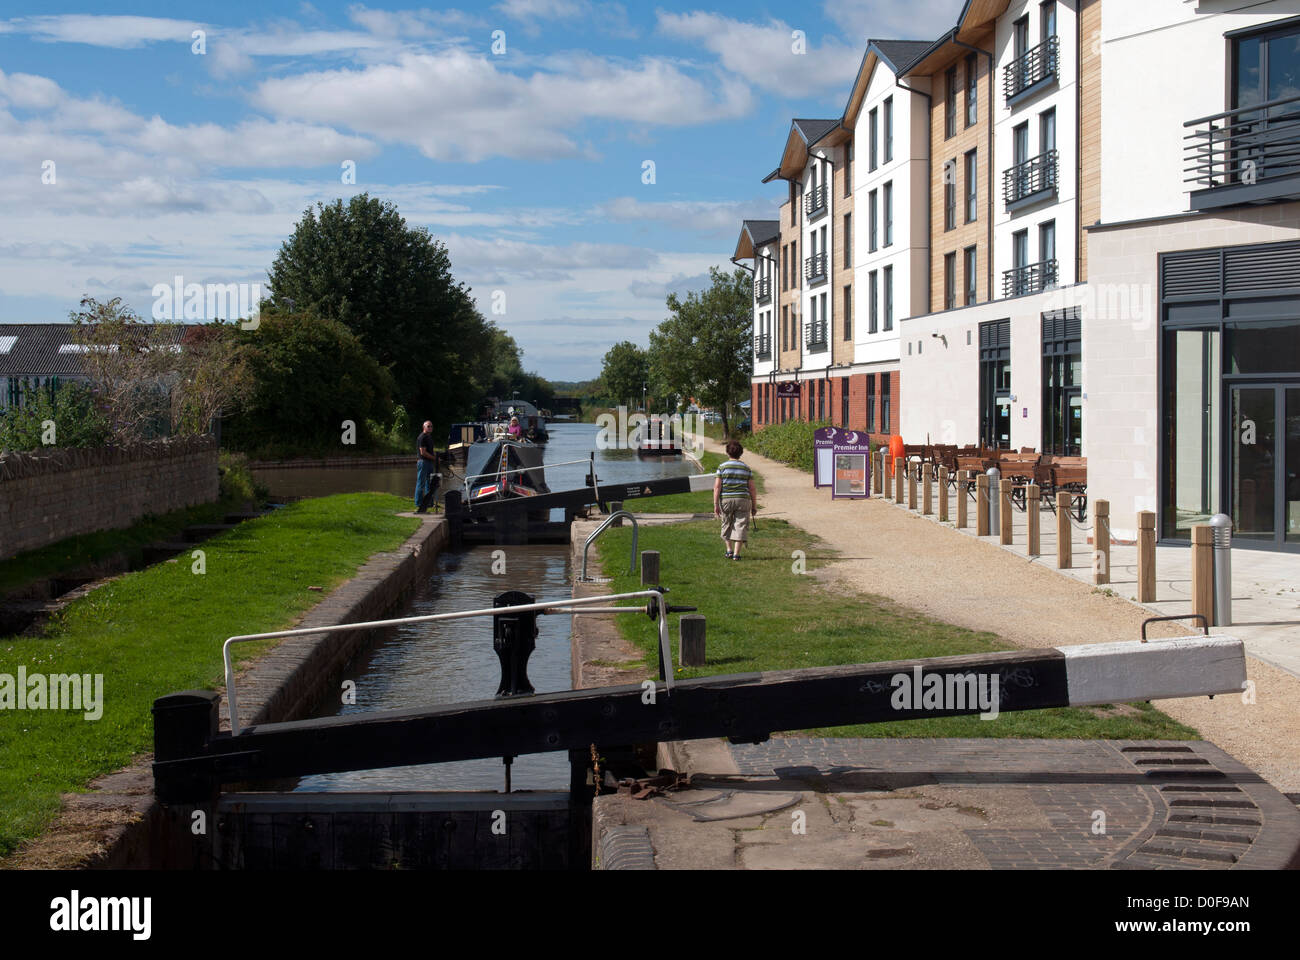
(892, 553)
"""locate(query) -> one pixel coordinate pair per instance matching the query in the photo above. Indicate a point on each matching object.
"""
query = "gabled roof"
(814, 130)
(894, 54)
(804, 133)
(935, 54)
(977, 14)
(754, 234)
(899, 53)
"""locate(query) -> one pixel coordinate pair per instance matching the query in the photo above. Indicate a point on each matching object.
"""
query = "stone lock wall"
(48, 496)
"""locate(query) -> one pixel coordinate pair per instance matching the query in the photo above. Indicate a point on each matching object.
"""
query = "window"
(1020, 37)
(949, 194)
(848, 170)
(848, 240)
(848, 312)
(873, 289)
(1020, 143)
(794, 263)
(889, 213)
(871, 221)
(822, 246)
(1062, 383)
(826, 317)
(872, 139)
(1047, 131)
(1047, 250)
(1047, 19)
(793, 204)
(785, 327)
(889, 298)
(995, 384)
(844, 402)
(871, 402)
(972, 186)
(968, 274)
(785, 266)
(1020, 249)
(889, 128)
(950, 103)
(949, 280)
(884, 402)
(972, 90)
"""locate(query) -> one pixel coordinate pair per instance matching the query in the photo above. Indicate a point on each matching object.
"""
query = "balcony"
(814, 336)
(814, 202)
(763, 346)
(1031, 71)
(1029, 182)
(814, 268)
(1249, 155)
(763, 290)
(1031, 278)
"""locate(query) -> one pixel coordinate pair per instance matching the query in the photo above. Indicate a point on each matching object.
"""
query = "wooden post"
(1064, 538)
(899, 467)
(1032, 506)
(961, 499)
(614, 507)
(982, 504)
(911, 486)
(691, 650)
(1203, 571)
(889, 484)
(875, 469)
(1146, 556)
(1101, 541)
(1004, 511)
(649, 568)
(943, 494)
(927, 497)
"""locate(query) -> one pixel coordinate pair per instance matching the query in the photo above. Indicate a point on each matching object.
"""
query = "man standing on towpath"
(424, 468)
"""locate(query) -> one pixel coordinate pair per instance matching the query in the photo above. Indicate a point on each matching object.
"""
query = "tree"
(213, 377)
(703, 349)
(624, 372)
(310, 373)
(392, 286)
(71, 407)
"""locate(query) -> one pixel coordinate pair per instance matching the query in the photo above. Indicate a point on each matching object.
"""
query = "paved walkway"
(897, 554)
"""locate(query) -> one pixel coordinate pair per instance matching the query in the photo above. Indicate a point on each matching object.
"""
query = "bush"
(78, 421)
(237, 482)
(790, 442)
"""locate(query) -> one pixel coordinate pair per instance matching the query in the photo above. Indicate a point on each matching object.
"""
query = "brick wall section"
(49, 497)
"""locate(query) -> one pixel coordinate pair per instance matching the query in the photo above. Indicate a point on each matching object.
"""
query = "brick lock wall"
(48, 500)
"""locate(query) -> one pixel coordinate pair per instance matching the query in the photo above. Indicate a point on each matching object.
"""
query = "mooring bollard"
(962, 480)
(1146, 556)
(1101, 541)
(614, 507)
(1004, 511)
(982, 505)
(1032, 506)
(899, 468)
(1064, 538)
(1203, 571)
(649, 568)
(911, 486)
(691, 650)
(514, 637)
(927, 477)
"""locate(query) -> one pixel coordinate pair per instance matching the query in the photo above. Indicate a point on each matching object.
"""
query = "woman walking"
(734, 499)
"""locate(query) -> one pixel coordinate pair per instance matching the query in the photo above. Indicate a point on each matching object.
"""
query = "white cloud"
(705, 216)
(764, 55)
(893, 19)
(121, 32)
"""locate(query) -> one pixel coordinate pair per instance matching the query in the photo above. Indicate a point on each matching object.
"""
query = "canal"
(426, 664)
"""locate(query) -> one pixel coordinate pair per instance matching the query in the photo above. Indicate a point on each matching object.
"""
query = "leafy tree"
(392, 286)
(703, 349)
(72, 407)
(624, 372)
(213, 377)
(310, 373)
(130, 362)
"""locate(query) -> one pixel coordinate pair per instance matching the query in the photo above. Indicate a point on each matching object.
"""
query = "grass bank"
(160, 630)
(763, 616)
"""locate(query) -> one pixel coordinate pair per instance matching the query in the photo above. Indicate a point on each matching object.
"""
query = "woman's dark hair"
(734, 449)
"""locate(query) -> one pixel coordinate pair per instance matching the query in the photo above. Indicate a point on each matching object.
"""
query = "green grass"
(762, 616)
(160, 630)
(701, 501)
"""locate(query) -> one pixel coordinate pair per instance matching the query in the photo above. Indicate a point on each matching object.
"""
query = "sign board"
(787, 388)
(851, 452)
(829, 441)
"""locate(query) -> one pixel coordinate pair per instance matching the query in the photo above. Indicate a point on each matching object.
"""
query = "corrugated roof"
(43, 349)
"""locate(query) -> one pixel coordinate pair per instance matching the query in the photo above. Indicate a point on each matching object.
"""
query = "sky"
(186, 139)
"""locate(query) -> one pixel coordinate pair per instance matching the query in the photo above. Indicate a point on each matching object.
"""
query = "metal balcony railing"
(763, 346)
(1031, 278)
(1247, 155)
(814, 201)
(763, 290)
(1037, 175)
(1030, 68)
(814, 268)
(814, 335)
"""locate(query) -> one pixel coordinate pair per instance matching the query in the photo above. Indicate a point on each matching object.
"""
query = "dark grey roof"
(32, 349)
(814, 130)
(763, 231)
(929, 49)
(900, 53)
(772, 176)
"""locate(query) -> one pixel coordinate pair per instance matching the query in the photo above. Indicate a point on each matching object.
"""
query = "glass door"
(1264, 463)
(1291, 466)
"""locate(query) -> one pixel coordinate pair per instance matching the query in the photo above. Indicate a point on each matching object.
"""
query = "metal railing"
(814, 201)
(540, 466)
(1034, 65)
(601, 529)
(815, 334)
(814, 268)
(1035, 175)
(655, 597)
(763, 290)
(1246, 146)
(763, 345)
(1030, 278)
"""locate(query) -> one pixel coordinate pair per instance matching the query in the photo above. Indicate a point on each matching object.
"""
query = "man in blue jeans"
(424, 470)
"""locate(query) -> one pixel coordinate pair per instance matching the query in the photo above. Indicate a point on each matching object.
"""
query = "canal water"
(426, 664)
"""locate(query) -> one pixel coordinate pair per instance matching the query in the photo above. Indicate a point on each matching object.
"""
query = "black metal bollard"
(514, 637)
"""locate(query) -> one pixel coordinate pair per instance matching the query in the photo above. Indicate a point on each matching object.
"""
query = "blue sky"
(526, 163)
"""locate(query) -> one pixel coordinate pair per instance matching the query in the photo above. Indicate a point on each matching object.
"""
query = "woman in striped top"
(734, 499)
